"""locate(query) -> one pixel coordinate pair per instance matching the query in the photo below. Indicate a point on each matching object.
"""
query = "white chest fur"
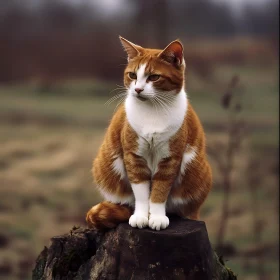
(154, 127)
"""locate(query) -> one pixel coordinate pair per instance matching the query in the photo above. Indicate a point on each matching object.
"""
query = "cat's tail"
(107, 215)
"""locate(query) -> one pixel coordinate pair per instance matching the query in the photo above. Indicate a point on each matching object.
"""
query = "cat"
(153, 158)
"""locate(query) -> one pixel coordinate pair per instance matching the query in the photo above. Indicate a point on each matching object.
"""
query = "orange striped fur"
(153, 157)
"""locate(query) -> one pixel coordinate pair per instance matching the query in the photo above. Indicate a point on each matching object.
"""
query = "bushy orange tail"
(107, 215)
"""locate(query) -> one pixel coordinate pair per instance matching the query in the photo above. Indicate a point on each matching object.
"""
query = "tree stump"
(182, 251)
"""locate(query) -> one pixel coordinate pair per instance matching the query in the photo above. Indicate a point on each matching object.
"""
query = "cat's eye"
(132, 75)
(154, 77)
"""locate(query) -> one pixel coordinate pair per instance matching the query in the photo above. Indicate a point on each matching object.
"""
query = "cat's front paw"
(158, 222)
(139, 221)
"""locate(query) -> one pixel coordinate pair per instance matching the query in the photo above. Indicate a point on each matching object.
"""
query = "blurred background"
(61, 60)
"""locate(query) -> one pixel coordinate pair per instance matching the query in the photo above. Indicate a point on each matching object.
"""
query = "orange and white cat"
(152, 160)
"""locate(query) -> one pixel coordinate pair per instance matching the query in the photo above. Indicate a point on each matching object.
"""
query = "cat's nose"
(139, 90)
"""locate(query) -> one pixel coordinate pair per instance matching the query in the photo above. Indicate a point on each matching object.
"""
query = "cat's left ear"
(131, 49)
(173, 53)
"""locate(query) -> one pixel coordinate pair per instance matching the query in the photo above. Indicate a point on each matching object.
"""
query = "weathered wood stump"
(182, 251)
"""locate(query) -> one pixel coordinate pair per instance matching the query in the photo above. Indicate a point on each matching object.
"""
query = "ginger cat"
(152, 160)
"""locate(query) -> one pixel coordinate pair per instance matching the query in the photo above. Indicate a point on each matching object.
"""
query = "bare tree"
(254, 180)
(224, 155)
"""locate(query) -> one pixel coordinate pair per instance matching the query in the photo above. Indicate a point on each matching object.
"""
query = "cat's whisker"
(163, 96)
(162, 105)
(157, 106)
(119, 103)
(166, 103)
(168, 100)
(166, 96)
(112, 100)
(116, 89)
(115, 97)
(119, 87)
(160, 101)
(154, 105)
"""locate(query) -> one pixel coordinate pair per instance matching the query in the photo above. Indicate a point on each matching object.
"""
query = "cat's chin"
(141, 98)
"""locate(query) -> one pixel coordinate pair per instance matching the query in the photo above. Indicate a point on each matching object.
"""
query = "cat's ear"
(131, 49)
(173, 53)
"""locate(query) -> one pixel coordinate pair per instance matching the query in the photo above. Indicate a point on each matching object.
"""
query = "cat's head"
(152, 72)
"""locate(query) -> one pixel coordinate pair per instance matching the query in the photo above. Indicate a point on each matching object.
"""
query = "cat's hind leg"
(184, 208)
(189, 194)
(190, 211)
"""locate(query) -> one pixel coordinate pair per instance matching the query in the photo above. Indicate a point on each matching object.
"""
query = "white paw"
(139, 221)
(158, 222)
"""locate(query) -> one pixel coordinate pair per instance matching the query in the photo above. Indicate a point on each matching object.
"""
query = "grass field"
(49, 138)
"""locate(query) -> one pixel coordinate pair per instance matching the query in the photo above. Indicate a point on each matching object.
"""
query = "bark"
(182, 251)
